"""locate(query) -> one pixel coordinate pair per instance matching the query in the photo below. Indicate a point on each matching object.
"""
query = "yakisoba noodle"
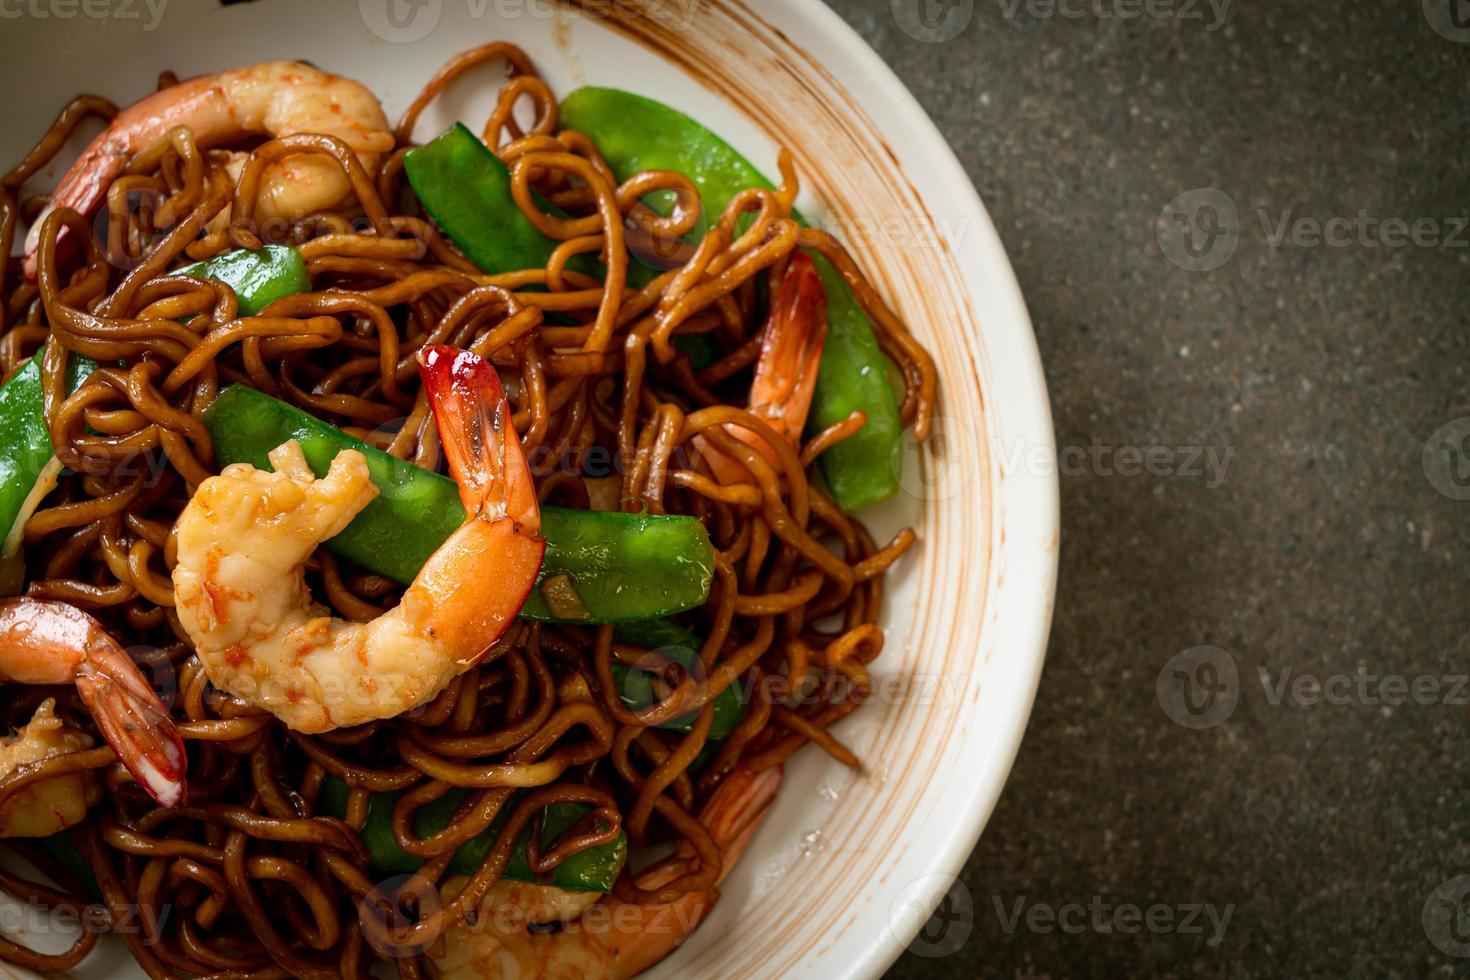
(243, 880)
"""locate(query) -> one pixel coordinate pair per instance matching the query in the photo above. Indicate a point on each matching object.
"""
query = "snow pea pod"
(28, 469)
(673, 641)
(592, 870)
(599, 567)
(259, 277)
(61, 849)
(635, 134)
(466, 190)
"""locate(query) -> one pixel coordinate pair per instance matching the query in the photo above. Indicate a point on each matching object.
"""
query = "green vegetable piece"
(466, 190)
(27, 467)
(672, 641)
(396, 533)
(622, 566)
(700, 348)
(592, 870)
(65, 853)
(635, 134)
(384, 854)
(258, 277)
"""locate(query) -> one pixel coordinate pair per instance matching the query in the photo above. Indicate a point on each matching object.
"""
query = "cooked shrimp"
(245, 537)
(273, 98)
(786, 372)
(48, 805)
(46, 642)
(611, 939)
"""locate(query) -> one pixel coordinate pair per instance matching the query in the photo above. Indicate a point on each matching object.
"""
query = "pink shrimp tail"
(737, 807)
(732, 815)
(83, 188)
(791, 350)
(786, 372)
(134, 721)
(476, 586)
(480, 442)
(43, 641)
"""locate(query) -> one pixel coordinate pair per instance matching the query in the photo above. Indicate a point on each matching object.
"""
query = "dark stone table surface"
(1241, 230)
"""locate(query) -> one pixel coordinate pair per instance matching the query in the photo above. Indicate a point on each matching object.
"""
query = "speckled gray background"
(1317, 371)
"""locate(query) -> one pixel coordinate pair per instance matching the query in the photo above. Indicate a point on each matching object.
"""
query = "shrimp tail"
(480, 442)
(733, 814)
(134, 721)
(735, 810)
(791, 350)
(786, 371)
(83, 189)
(47, 642)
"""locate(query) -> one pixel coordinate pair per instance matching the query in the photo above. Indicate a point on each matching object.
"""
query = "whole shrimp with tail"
(245, 537)
(273, 98)
(48, 642)
(786, 371)
(509, 939)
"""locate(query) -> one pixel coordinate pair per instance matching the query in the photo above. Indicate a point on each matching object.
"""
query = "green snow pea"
(635, 134)
(466, 190)
(673, 641)
(599, 567)
(28, 468)
(61, 849)
(592, 870)
(258, 277)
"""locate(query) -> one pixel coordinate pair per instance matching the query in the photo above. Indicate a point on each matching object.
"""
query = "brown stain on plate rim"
(855, 172)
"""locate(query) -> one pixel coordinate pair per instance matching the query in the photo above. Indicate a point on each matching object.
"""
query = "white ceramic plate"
(847, 866)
